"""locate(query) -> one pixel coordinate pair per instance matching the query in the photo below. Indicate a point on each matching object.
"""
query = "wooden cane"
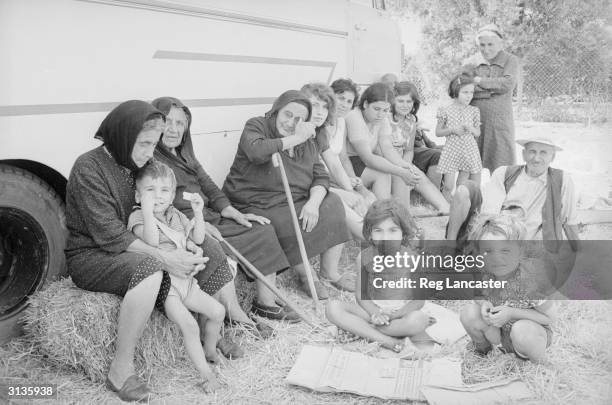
(435, 215)
(278, 162)
(259, 276)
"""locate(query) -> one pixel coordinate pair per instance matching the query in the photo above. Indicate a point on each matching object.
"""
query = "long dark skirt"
(330, 230)
(258, 244)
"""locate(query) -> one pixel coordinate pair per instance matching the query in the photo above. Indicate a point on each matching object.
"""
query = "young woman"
(373, 157)
(330, 126)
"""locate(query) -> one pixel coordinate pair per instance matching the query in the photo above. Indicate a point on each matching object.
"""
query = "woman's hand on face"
(309, 216)
(182, 263)
(304, 130)
(212, 231)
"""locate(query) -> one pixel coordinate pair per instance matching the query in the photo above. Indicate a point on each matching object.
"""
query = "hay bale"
(77, 329)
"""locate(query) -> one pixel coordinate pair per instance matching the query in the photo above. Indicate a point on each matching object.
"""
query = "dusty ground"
(578, 370)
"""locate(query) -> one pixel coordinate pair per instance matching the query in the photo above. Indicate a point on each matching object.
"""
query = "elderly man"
(543, 196)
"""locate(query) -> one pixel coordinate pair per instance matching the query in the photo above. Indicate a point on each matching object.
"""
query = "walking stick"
(267, 283)
(278, 162)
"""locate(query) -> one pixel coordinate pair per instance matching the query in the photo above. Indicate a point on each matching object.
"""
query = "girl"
(160, 225)
(424, 154)
(513, 318)
(328, 116)
(460, 123)
(387, 228)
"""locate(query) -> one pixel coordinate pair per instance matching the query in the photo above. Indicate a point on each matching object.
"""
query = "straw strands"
(77, 329)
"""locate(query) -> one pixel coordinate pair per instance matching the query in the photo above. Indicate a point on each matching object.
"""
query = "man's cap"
(539, 139)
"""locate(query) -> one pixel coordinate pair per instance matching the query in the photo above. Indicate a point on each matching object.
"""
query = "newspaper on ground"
(332, 369)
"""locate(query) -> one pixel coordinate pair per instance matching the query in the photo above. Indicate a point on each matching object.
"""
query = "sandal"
(280, 313)
(258, 328)
(230, 349)
(132, 390)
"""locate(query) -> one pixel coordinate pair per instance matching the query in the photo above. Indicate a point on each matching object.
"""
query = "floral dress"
(460, 152)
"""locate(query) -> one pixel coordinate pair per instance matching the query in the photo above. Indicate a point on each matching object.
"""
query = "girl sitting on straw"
(393, 318)
(511, 318)
(161, 225)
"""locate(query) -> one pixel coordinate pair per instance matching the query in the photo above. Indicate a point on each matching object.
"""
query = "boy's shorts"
(506, 341)
(182, 287)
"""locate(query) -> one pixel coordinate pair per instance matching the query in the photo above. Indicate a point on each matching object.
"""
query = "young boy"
(161, 225)
(515, 318)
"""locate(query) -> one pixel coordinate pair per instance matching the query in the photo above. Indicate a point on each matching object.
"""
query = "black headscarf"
(121, 127)
(290, 96)
(185, 155)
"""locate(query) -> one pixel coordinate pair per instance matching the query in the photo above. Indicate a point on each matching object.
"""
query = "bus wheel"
(32, 240)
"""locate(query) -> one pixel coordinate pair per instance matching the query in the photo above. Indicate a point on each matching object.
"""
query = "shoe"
(275, 313)
(319, 288)
(344, 283)
(132, 390)
(478, 351)
(230, 349)
(259, 329)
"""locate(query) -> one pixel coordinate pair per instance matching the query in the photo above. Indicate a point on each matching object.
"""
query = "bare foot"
(212, 356)
(395, 345)
(210, 384)
(118, 373)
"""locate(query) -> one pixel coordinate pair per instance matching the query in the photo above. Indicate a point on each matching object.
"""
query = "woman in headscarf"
(254, 186)
(252, 235)
(102, 255)
(496, 72)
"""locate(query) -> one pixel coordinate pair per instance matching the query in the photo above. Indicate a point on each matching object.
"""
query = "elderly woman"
(496, 73)
(102, 255)
(251, 234)
(255, 186)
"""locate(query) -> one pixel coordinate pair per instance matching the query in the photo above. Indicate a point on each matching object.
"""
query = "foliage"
(566, 45)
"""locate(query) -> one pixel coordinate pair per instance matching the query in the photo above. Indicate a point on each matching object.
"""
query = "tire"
(32, 239)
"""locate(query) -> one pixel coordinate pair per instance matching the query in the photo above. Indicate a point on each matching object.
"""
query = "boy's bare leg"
(202, 303)
(179, 314)
(351, 317)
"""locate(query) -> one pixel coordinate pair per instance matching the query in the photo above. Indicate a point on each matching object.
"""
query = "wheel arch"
(52, 177)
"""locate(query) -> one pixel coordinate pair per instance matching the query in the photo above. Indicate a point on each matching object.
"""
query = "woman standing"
(254, 185)
(496, 72)
(252, 235)
(102, 255)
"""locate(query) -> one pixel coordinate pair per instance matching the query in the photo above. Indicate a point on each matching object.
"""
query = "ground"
(578, 367)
